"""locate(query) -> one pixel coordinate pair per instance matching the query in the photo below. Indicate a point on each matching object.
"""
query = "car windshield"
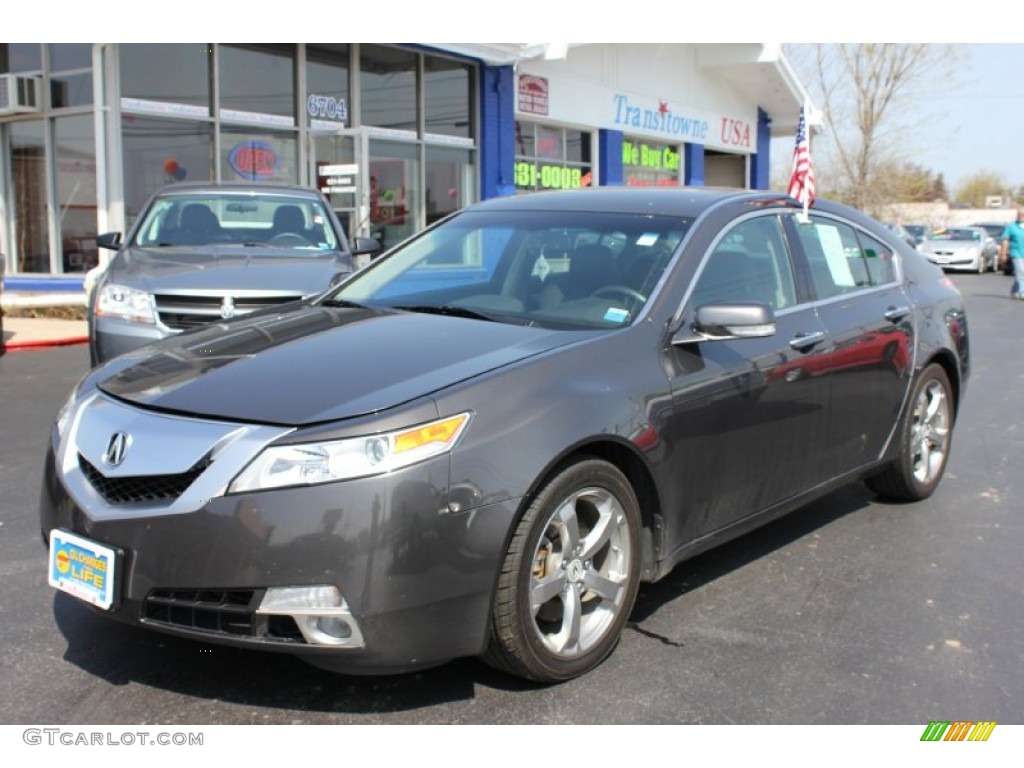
(575, 270)
(211, 217)
(955, 234)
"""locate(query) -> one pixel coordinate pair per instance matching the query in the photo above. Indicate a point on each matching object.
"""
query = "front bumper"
(111, 337)
(417, 579)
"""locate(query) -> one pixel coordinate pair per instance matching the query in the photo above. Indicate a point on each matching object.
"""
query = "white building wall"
(655, 90)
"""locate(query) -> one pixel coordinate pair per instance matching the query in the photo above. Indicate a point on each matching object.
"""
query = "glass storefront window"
(144, 69)
(158, 152)
(30, 204)
(327, 96)
(71, 90)
(257, 80)
(650, 164)
(247, 155)
(388, 83)
(65, 56)
(447, 86)
(548, 157)
(21, 57)
(76, 192)
(394, 191)
(450, 175)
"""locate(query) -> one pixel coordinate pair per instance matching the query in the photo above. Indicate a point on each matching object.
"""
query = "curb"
(14, 346)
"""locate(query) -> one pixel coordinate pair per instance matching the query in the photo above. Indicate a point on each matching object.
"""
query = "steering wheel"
(288, 238)
(620, 290)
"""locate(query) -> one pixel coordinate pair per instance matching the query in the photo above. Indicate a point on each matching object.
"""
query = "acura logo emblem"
(227, 308)
(116, 449)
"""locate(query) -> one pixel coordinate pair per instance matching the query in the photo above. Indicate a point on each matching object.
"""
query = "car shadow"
(122, 654)
(692, 574)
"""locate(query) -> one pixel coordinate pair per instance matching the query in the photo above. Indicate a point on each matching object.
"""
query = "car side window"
(836, 259)
(749, 264)
(879, 260)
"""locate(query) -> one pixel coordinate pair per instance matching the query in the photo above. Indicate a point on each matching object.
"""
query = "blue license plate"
(82, 568)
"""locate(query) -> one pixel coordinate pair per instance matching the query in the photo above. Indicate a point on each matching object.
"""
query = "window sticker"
(647, 239)
(835, 255)
(616, 315)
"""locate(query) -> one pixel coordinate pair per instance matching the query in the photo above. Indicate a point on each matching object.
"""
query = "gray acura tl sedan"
(486, 440)
(201, 252)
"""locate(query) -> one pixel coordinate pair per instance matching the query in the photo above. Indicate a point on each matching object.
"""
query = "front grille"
(219, 612)
(182, 313)
(141, 489)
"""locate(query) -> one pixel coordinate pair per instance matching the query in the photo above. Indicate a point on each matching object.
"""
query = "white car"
(967, 249)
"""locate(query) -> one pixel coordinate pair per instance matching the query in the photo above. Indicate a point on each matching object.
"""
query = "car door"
(749, 415)
(868, 319)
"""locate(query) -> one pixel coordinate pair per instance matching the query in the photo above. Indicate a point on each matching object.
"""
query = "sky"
(971, 123)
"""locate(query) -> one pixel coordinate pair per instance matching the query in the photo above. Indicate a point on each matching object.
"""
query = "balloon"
(180, 174)
(171, 166)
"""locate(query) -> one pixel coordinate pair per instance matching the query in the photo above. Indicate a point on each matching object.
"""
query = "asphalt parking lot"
(848, 611)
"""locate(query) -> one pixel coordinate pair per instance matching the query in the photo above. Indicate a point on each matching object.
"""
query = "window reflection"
(144, 69)
(158, 152)
(21, 57)
(446, 86)
(28, 165)
(388, 82)
(76, 192)
(258, 79)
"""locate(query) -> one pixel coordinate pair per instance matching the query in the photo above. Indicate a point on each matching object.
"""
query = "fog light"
(335, 627)
(320, 612)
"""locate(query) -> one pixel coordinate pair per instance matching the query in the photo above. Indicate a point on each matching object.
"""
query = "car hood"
(316, 364)
(182, 269)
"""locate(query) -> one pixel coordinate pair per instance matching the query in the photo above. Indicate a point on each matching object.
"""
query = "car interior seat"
(198, 225)
(288, 219)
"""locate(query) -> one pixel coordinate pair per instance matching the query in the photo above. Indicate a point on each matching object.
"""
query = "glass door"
(338, 167)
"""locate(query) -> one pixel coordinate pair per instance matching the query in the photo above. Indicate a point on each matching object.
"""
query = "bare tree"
(861, 88)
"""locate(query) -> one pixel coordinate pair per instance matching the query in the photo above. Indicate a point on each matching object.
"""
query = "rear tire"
(570, 576)
(925, 435)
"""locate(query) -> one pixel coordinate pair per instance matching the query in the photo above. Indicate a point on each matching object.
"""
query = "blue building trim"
(693, 158)
(609, 154)
(760, 164)
(43, 283)
(497, 132)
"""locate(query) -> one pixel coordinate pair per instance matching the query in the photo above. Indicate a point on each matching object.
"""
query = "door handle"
(895, 314)
(806, 340)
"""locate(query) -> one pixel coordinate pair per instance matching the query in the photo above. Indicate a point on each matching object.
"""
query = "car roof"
(675, 201)
(243, 187)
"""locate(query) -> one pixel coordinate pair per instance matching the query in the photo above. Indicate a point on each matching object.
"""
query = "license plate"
(82, 568)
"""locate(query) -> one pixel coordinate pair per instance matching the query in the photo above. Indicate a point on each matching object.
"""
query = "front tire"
(924, 435)
(570, 576)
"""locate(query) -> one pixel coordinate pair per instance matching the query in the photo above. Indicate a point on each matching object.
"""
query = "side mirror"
(719, 322)
(109, 240)
(363, 245)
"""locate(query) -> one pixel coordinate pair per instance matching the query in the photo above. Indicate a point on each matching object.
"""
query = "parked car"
(995, 230)
(903, 233)
(203, 252)
(968, 249)
(485, 441)
(918, 232)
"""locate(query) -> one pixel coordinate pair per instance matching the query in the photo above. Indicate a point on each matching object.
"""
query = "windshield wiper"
(342, 303)
(451, 310)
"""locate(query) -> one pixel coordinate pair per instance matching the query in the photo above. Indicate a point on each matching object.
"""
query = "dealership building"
(396, 136)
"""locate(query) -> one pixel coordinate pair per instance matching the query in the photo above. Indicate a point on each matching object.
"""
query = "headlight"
(313, 463)
(65, 412)
(126, 303)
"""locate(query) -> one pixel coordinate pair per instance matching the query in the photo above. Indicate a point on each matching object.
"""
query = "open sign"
(254, 160)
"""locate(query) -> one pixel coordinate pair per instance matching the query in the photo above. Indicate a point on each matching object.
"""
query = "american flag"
(801, 183)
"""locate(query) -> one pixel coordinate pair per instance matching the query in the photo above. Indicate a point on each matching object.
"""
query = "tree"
(860, 89)
(975, 188)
